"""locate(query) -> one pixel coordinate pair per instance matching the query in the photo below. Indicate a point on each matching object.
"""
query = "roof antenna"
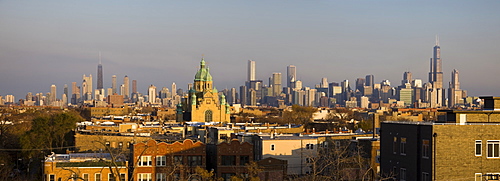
(99, 57)
(437, 40)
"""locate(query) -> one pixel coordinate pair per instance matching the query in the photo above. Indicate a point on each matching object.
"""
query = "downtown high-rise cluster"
(364, 92)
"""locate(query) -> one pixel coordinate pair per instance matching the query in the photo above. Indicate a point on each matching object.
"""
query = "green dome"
(203, 74)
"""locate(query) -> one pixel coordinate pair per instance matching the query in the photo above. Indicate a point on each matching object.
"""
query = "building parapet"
(433, 123)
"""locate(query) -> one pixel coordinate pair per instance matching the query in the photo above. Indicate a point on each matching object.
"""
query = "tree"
(342, 117)
(49, 131)
(299, 114)
(342, 161)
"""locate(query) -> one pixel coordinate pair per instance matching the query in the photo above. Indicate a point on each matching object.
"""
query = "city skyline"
(44, 44)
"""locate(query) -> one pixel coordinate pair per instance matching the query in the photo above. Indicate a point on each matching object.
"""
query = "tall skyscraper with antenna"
(436, 69)
(99, 74)
(436, 93)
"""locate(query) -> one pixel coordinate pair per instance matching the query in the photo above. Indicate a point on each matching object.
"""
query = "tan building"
(203, 103)
(96, 142)
(84, 166)
(295, 150)
(106, 111)
(465, 147)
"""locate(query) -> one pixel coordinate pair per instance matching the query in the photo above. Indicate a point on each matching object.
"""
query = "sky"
(160, 42)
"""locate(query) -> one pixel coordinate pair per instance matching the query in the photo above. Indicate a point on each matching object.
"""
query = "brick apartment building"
(465, 147)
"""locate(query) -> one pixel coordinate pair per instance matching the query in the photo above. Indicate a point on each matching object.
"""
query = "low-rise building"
(168, 161)
(85, 166)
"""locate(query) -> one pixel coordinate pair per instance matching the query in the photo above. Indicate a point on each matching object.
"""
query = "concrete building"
(152, 94)
(251, 70)
(294, 149)
(291, 75)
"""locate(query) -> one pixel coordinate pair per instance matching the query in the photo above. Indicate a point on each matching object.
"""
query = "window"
(492, 176)
(244, 159)
(177, 176)
(52, 177)
(228, 160)
(493, 148)
(309, 146)
(145, 161)
(478, 177)
(402, 149)
(425, 148)
(97, 177)
(227, 176)
(178, 159)
(107, 144)
(123, 177)
(309, 160)
(120, 145)
(144, 177)
(425, 176)
(208, 116)
(161, 177)
(394, 145)
(194, 160)
(85, 177)
(479, 147)
(402, 174)
(111, 177)
(272, 147)
(161, 160)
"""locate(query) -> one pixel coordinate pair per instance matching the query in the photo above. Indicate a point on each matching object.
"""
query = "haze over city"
(158, 42)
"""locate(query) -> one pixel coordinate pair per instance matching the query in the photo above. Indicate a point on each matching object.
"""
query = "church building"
(203, 103)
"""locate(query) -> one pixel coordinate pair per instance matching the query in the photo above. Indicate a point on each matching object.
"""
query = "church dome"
(203, 74)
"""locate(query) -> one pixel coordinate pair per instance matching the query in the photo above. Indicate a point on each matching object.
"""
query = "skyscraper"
(53, 94)
(251, 70)
(126, 88)
(243, 95)
(152, 94)
(436, 77)
(99, 74)
(455, 95)
(407, 78)
(65, 95)
(436, 71)
(113, 84)
(369, 80)
(174, 90)
(134, 86)
(324, 83)
(75, 93)
(87, 87)
(276, 84)
(291, 75)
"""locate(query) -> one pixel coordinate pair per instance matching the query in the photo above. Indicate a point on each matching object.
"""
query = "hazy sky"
(160, 42)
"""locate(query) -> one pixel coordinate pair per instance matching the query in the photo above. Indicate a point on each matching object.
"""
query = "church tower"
(203, 103)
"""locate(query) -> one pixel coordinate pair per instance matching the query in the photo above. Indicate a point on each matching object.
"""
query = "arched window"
(208, 116)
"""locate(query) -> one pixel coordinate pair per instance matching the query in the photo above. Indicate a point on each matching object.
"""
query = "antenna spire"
(99, 57)
(437, 40)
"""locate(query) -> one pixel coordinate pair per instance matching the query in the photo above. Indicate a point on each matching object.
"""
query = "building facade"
(203, 103)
